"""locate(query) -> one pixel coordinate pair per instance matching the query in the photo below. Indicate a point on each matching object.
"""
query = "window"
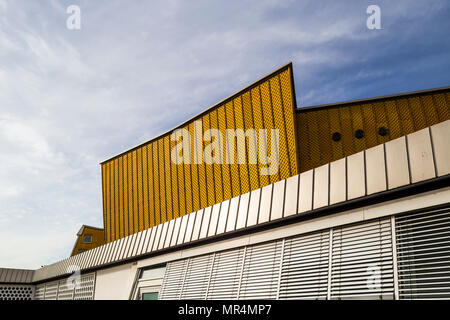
(81, 250)
(153, 273)
(150, 296)
(87, 238)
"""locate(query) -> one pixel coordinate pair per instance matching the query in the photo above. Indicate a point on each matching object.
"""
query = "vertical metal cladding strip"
(183, 227)
(151, 240)
(130, 195)
(305, 191)
(230, 169)
(205, 223)
(156, 184)
(441, 106)
(151, 186)
(188, 179)
(232, 214)
(397, 163)
(163, 236)
(358, 124)
(421, 155)
(174, 177)
(217, 167)
(116, 199)
(370, 125)
(265, 204)
(176, 231)
(258, 118)
(195, 187)
(131, 246)
(253, 209)
(291, 197)
(356, 176)
(406, 118)
(287, 95)
(335, 126)
(242, 213)
(323, 123)
(321, 186)
(162, 180)
(126, 200)
(120, 195)
(303, 141)
(168, 177)
(381, 120)
(214, 220)
(277, 209)
(103, 170)
(348, 132)
(223, 216)
(314, 139)
(157, 237)
(211, 194)
(429, 109)
(417, 113)
(189, 227)
(375, 169)
(269, 124)
(140, 239)
(338, 181)
(169, 234)
(108, 202)
(125, 246)
(393, 120)
(135, 193)
(145, 192)
(239, 125)
(140, 190)
(440, 135)
(181, 185)
(197, 225)
(251, 141)
(201, 167)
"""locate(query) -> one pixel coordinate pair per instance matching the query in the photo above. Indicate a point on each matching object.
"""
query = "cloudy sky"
(72, 98)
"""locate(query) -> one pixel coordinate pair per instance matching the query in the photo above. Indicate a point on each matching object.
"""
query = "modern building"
(256, 198)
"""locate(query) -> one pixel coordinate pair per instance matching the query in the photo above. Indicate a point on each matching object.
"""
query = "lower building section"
(383, 251)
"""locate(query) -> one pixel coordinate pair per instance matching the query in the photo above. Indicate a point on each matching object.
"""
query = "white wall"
(115, 283)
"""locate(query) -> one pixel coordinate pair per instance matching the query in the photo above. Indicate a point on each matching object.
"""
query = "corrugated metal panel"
(304, 273)
(400, 115)
(362, 261)
(423, 249)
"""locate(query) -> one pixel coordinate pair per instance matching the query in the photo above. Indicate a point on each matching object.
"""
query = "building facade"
(358, 208)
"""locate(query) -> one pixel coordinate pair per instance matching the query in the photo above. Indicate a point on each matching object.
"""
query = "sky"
(70, 99)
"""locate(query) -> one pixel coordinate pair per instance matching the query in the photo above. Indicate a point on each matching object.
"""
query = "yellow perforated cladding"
(400, 115)
(143, 187)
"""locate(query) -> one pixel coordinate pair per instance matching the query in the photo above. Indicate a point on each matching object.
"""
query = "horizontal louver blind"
(362, 264)
(173, 280)
(196, 280)
(304, 273)
(225, 274)
(261, 271)
(423, 255)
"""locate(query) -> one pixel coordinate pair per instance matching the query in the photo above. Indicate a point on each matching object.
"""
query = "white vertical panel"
(190, 227)
(397, 163)
(214, 220)
(205, 223)
(243, 210)
(183, 227)
(265, 203)
(375, 169)
(441, 136)
(176, 231)
(253, 209)
(305, 192)
(232, 214)
(278, 200)
(157, 237)
(338, 181)
(291, 201)
(169, 233)
(197, 225)
(321, 185)
(421, 155)
(225, 205)
(165, 228)
(356, 184)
